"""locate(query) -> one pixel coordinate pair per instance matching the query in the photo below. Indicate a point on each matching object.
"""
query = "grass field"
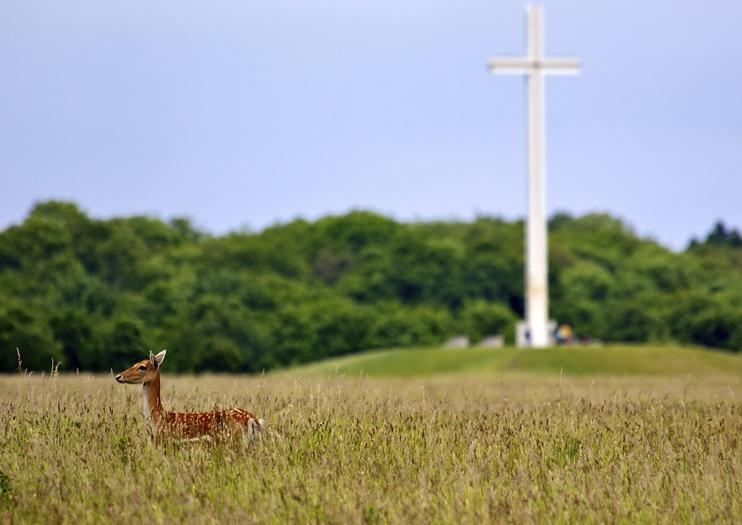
(510, 442)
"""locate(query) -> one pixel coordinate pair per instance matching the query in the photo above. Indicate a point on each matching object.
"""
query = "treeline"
(98, 294)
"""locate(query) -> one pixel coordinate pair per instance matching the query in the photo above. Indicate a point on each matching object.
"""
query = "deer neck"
(151, 400)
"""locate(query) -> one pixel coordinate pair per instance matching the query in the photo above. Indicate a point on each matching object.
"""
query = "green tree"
(22, 329)
(479, 319)
(123, 344)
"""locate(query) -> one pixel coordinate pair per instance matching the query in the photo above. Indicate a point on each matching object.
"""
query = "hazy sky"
(243, 112)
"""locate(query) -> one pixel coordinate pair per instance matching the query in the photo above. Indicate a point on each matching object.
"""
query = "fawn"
(217, 425)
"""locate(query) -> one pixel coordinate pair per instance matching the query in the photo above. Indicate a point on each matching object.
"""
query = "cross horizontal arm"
(524, 66)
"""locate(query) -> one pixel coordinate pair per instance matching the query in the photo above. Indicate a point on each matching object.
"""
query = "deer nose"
(118, 378)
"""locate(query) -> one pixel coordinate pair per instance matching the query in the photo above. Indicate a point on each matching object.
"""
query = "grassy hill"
(606, 360)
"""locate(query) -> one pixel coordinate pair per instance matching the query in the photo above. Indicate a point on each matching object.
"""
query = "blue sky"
(241, 113)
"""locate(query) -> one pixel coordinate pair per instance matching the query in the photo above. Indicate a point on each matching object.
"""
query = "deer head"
(142, 371)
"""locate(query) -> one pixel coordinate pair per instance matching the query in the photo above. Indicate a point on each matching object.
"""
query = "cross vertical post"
(534, 66)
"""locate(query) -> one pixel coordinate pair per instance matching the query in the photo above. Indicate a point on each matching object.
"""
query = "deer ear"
(159, 358)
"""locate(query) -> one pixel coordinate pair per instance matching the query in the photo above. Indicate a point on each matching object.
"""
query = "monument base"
(522, 335)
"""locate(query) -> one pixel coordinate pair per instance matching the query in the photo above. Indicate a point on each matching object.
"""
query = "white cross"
(534, 66)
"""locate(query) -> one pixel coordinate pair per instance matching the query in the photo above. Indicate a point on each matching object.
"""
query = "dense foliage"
(97, 294)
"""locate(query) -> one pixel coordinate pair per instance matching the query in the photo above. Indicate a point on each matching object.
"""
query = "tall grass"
(75, 449)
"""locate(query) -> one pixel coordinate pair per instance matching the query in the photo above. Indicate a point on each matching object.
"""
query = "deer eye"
(142, 367)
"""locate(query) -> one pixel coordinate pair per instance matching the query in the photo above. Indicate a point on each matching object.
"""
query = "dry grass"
(460, 449)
